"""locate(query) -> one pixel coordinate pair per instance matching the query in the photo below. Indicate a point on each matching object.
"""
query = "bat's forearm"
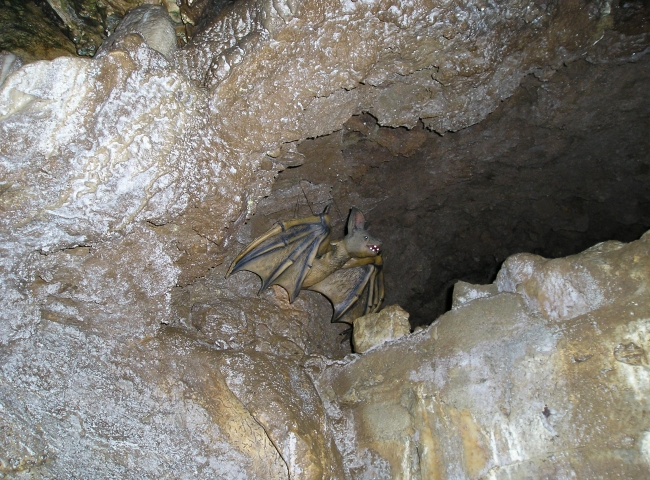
(359, 262)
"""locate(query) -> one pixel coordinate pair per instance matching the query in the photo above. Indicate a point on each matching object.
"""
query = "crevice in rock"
(272, 442)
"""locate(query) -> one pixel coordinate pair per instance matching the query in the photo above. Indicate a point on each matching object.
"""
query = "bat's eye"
(366, 237)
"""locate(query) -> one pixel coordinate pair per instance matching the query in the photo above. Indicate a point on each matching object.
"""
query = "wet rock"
(9, 63)
(108, 147)
(465, 292)
(283, 400)
(560, 289)
(76, 402)
(152, 23)
(375, 329)
(505, 387)
(30, 34)
(97, 157)
(427, 64)
(230, 315)
(46, 29)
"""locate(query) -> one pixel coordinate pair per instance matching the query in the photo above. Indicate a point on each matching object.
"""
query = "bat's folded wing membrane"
(344, 287)
(284, 254)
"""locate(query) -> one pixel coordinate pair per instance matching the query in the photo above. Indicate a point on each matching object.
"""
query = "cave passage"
(560, 166)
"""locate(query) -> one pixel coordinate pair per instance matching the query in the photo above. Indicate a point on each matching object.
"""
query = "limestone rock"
(87, 404)
(108, 146)
(378, 328)
(562, 289)
(465, 293)
(428, 63)
(97, 156)
(10, 63)
(28, 33)
(508, 386)
(46, 30)
(283, 400)
(228, 314)
(152, 23)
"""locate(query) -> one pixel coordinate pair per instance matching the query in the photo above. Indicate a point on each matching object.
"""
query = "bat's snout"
(375, 249)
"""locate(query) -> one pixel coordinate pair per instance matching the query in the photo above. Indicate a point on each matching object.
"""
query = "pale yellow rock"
(375, 329)
(546, 379)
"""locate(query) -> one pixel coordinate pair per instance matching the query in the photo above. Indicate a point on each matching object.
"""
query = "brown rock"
(126, 185)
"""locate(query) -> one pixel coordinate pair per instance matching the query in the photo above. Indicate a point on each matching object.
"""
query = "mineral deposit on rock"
(128, 181)
(546, 378)
(152, 23)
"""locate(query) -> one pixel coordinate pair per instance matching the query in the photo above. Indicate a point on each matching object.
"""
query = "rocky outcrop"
(547, 376)
(374, 329)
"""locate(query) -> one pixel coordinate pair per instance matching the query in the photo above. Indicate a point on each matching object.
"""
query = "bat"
(297, 254)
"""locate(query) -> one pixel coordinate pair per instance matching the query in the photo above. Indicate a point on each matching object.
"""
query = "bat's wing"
(361, 280)
(284, 254)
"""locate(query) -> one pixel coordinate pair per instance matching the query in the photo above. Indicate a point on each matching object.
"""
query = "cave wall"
(130, 180)
(47, 29)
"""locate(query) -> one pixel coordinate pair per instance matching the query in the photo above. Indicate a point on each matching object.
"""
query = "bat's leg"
(378, 290)
(346, 334)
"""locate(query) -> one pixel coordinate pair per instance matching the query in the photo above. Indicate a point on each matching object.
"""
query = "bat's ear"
(356, 220)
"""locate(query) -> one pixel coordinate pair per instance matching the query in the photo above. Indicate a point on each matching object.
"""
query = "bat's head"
(358, 242)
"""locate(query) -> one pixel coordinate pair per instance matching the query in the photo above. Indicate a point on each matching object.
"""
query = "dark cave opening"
(560, 166)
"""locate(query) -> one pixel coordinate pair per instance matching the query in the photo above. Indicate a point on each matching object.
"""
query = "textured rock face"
(126, 181)
(76, 402)
(545, 378)
(152, 23)
(101, 150)
(378, 328)
(90, 262)
(447, 63)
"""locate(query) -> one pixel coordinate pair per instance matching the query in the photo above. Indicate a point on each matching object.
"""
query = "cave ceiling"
(463, 149)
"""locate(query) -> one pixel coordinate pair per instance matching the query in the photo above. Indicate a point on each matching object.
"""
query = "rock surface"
(26, 31)
(446, 63)
(374, 329)
(152, 23)
(127, 182)
(546, 378)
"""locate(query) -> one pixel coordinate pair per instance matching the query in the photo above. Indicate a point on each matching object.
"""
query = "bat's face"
(360, 243)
